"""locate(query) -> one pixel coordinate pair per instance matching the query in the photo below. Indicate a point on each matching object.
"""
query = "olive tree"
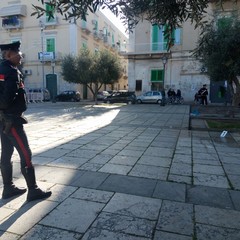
(171, 13)
(92, 69)
(219, 51)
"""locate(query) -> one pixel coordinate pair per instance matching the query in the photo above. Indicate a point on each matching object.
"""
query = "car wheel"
(139, 101)
(159, 101)
(108, 102)
(129, 102)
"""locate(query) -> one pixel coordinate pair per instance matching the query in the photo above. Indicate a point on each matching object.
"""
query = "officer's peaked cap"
(15, 46)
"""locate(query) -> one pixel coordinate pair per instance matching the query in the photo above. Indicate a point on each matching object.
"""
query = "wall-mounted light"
(164, 60)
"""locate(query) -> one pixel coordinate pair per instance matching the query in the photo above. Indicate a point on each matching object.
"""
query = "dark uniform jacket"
(12, 94)
(203, 91)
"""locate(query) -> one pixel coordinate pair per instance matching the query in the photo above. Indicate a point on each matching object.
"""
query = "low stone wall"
(200, 113)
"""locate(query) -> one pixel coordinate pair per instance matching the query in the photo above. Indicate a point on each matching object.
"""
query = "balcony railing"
(12, 22)
(48, 22)
(146, 48)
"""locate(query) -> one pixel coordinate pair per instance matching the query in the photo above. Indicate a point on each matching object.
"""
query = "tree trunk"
(236, 94)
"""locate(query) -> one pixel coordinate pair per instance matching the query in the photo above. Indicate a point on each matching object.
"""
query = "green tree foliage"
(219, 51)
(171, 13)
(92, 69)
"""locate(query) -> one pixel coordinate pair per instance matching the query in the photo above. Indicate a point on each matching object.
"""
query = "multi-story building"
(45, 41)
(151, 66)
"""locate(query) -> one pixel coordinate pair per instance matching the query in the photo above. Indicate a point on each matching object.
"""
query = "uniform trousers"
(15, 138)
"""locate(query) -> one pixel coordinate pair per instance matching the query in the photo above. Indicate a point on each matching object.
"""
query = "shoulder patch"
(2, 78)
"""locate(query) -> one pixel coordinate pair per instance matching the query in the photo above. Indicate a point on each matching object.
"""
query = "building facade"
(45, 41)
(151, 66)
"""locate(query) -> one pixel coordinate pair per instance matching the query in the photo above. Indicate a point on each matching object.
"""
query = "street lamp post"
(42, 58)
(164, 61)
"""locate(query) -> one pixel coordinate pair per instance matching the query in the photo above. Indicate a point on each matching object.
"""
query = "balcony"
(85, 29)
(13, 10)
(147, 48)
(96, 35)
(12, 22)
(144, 50)
(48, 22)
(105, 39)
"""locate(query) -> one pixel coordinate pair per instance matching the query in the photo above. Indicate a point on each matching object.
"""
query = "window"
(95, 25)
(159, 41)
(224, 22)
(49, 8)
(84, 24)
(157, 75)
(113, 40)
(50, 44)
(138, 85)
(84, 44)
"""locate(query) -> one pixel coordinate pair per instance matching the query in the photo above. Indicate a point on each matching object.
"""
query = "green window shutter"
(224, 22)
(157, 75)
(84, 24)
(96, 26)
(113, 41)
(84, 45)
(155, 30)
(49, 8)
(50, 45)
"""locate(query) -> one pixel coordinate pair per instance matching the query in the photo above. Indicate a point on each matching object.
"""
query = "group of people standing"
(173, 94)
(200, 96)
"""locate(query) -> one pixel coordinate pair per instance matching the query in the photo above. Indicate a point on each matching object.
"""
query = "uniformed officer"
(12, 105)
(203, 93)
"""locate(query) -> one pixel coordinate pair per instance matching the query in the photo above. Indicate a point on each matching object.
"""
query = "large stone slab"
(127, 184)
(217, 217)
(204, 232)
(99, 234)
(50, 233)
(125, 224)
(176, 217)
(170, 191)
(159, 235)
(90, 179)
(209, 196)
(73, 215)
(134, 206)
(29, 214)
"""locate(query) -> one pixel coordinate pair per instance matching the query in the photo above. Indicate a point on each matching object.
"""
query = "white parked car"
(150, 97)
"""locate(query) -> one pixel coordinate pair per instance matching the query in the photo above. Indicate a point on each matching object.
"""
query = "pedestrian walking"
(12, 106)
(203, 93)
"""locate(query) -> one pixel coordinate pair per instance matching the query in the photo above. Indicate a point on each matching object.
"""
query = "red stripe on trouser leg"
(22, 147)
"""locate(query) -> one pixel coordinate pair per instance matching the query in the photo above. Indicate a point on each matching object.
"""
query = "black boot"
(9, 189)
(34, 192)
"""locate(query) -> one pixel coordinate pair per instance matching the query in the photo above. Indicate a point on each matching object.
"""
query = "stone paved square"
(212, 233)
(69, 217)
(176, 217)
(134, 206)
